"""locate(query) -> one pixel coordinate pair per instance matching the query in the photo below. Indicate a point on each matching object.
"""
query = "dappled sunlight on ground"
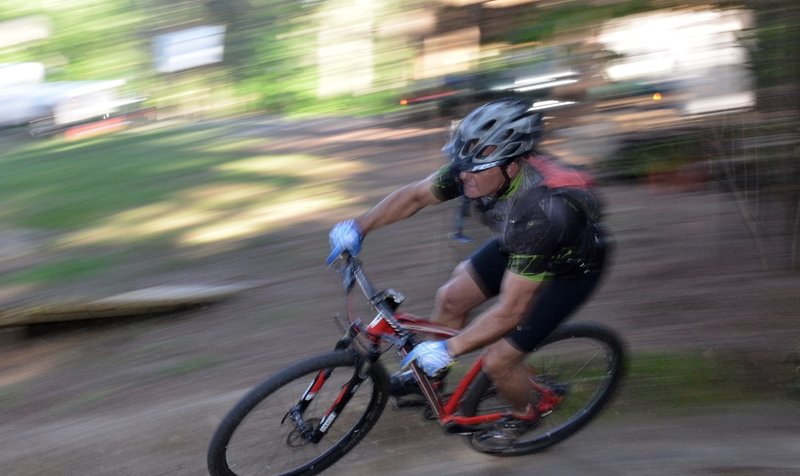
(294, 165)
(380, 133)
(9, 292)
(31, 361)
(252, 222)
(235, 210)
(367, 134)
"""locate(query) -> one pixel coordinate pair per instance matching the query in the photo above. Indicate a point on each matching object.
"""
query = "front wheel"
(265, 433)
(581, 363)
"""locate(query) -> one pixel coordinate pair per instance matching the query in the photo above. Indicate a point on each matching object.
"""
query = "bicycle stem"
(385, 303)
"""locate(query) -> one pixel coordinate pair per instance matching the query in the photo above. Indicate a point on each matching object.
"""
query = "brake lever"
(348, 278)
(347, 270)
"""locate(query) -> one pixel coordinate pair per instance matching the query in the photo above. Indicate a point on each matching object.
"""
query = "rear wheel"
(581, 362)
(260, 437)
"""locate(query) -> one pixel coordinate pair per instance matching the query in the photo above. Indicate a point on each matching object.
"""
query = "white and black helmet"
(494, 134)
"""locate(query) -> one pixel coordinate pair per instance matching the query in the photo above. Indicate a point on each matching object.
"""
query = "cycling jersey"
(545, 221)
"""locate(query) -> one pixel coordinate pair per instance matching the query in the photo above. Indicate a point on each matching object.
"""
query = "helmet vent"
(487, 151)
(512, 149)
(494, 134)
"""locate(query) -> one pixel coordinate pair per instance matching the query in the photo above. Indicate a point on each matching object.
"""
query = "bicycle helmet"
(494, 134)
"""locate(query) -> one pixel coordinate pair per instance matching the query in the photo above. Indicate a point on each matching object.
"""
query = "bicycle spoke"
(266, 444)
(580, 365)
(277, 429)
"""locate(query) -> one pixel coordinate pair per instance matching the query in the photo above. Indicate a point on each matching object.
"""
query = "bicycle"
(306, 417)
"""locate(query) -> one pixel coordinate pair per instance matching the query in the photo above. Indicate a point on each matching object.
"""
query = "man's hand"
(344, 236)
(432, 356)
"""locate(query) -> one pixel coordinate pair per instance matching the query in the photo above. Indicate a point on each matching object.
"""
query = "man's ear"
(513, 168)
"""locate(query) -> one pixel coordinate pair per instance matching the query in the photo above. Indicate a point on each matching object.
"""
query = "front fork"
(309, 431)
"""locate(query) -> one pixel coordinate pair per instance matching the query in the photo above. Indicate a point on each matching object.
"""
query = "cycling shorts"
(556, 299)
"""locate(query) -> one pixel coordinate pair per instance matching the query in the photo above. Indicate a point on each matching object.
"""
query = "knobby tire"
(259, 416)
(603, 366)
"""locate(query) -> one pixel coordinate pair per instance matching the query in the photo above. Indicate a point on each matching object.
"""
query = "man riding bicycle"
(545, 259)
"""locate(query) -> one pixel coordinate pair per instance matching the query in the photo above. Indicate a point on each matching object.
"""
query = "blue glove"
(344, 236)
(432, 356)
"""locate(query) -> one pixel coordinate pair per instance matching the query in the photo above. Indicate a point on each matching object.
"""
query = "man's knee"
(451, 295)
(448, 299)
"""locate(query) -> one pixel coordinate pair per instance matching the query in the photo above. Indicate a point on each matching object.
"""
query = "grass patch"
(10, 394)
(659, 156)
(69, 186)
(678, 381)
(64, 270)
(65, 186)
(181, 187)
(80, 402)
(190, 365)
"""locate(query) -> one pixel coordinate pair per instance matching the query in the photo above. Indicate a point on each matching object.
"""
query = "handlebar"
(385, 302)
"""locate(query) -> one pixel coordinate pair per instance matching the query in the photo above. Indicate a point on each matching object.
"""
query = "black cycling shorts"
(555, 301)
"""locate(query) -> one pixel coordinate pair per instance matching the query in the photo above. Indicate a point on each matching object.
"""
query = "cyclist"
(543, 262)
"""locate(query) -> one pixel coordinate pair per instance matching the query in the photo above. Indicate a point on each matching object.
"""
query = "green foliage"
(361, 105)
(679, 381)
(90, 40)
(774, 53)
(65, 270)
(100, 203)
(271, 46)
(70, 186)
(201, 362)
(543, 24)
(665, 155)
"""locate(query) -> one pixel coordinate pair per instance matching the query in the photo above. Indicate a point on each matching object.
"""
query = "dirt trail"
(142, 396)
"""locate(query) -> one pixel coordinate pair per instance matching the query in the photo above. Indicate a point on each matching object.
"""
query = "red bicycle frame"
(402, 328)
(445, 411)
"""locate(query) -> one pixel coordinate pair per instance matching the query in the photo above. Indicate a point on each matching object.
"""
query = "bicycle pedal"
(403, 403)
(459, 429)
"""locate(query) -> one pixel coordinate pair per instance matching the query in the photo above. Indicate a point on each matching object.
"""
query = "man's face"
(483, 183)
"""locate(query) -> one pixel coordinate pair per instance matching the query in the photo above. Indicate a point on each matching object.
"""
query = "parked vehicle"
(49, 107)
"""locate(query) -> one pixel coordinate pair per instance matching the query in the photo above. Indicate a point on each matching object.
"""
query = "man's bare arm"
(516, 294)
(400, 204)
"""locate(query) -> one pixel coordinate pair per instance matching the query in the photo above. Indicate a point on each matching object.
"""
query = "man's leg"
(473, 281)
(555, 302)
(502, 363)
(471, 284)
(459, 295)
(503, 360)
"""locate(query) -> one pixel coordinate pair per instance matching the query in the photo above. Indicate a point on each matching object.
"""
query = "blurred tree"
(756, 155)
(271, 45)
(776, 58)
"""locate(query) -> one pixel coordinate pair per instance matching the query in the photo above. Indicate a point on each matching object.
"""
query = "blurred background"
(632, 84)
(214, 58)
(680, 92)
(145, 142)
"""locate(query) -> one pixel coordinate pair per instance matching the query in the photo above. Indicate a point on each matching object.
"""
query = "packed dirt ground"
(142, 396)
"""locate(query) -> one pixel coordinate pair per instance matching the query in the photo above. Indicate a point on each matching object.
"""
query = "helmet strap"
(487, 203)
(506, 181)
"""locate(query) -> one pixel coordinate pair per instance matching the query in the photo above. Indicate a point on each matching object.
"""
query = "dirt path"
(142, 396)
(168, 439)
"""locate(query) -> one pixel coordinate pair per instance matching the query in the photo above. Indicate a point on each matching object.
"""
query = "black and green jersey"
(539, 226)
